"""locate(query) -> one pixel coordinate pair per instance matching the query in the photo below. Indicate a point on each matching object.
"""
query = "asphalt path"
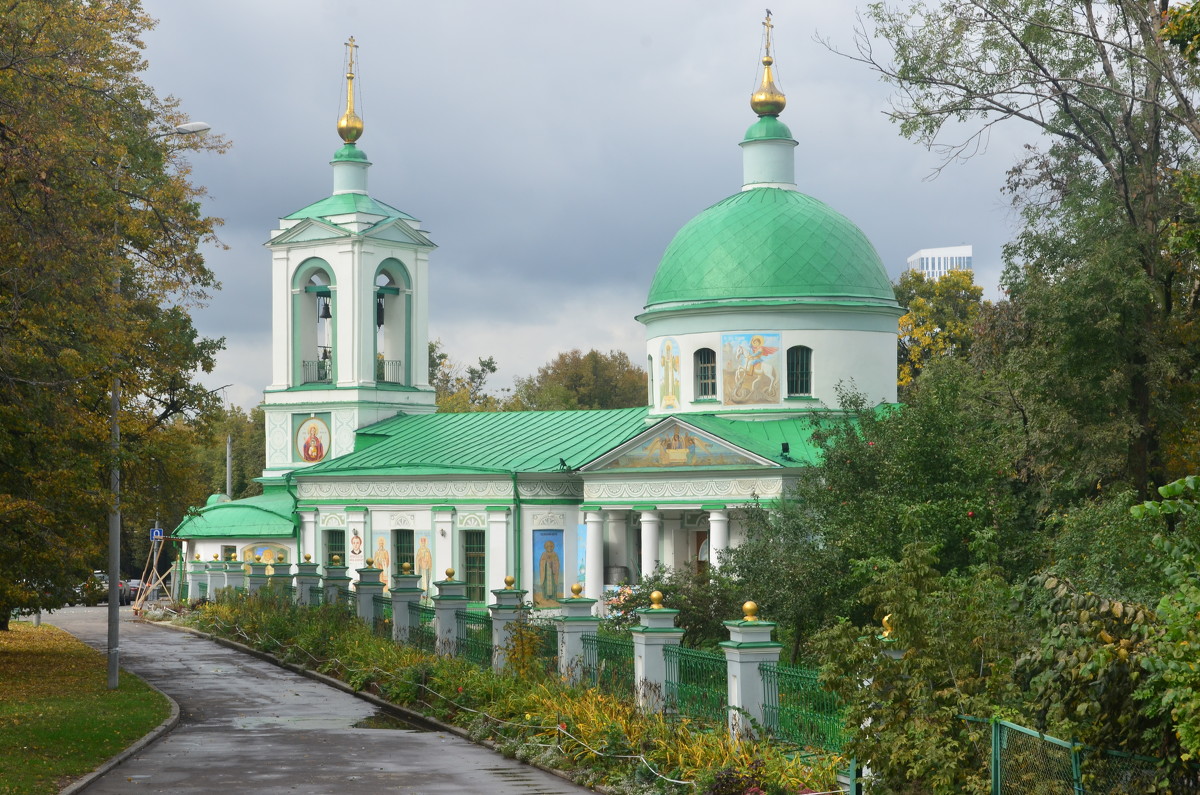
(247, 725)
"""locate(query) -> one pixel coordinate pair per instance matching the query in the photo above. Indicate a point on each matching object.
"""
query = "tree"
(1116, 104)
(940, 321)
(577, 380)
(460, 388)
(99, 236)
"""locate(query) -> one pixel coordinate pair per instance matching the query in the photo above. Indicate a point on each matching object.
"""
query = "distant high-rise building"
(937, 262)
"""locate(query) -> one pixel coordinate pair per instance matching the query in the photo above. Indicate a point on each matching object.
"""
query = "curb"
(155, 734)
(396, 710)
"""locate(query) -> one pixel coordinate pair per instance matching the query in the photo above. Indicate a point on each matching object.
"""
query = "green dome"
(768, 128)
(770, 243)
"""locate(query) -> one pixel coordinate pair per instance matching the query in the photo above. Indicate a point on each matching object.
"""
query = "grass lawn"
(58, 719)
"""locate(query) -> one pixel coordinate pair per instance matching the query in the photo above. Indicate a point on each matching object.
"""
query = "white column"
(594, 556)
(443, 542)
(718, 535)
(651, 521)
(308, 536)
(617, 546)
(497, 549)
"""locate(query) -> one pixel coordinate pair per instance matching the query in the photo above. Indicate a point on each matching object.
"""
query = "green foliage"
(460, 388)
(705, 599)
(949, 653)
(940, 321)
(577, 380)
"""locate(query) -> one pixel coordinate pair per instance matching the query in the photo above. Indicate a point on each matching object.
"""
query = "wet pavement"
(247, 725)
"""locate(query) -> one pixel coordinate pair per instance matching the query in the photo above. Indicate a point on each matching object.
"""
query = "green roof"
(768, 128)
(487, 442)
(347, 203)
(770, 243)
(765, 437)
(349, 152)
(265, 516)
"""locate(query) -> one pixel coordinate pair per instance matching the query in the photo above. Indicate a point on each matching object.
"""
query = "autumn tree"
(940, 318)
(577, 380)
(99, 237)
(460, 388)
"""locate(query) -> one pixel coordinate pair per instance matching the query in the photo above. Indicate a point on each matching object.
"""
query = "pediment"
(676, 444)
(397, 231)
(307, 230)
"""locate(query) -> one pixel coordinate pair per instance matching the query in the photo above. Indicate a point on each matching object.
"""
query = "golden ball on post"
(449, 574)
(509, 582)
(656, 600)
(576, 590)
(750, 611)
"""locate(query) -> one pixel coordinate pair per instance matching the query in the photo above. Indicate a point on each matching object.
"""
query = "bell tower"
(349, 325)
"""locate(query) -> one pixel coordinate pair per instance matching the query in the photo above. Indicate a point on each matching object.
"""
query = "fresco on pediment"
(750, 368)
(679, 447)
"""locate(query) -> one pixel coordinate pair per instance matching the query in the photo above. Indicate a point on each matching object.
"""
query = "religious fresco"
(677, 446)
(423, 561)
(356, 557)
(381, 559)
(268, 553)
(668, 381)
(311, 433)
(750, 368)
(548, 567)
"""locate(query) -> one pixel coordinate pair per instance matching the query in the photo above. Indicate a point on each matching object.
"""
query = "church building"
(760, 307)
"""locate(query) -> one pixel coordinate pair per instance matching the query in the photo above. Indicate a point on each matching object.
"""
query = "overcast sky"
(552, 150)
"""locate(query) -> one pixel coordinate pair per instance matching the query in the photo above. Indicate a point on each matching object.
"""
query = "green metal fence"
(696, 683)
(608, 664)
(1025, 761)
(420, 627)
(382, 623)
(203, 590)
(183, 591)
(348, 598)
(797, 709)
(316, 595)
(475, 636)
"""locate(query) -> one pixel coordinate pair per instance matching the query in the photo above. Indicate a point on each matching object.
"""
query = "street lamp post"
(114, 513)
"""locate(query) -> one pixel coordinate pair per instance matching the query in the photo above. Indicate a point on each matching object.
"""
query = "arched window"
(799, 371)
(314, 310)
(705, 361)
(649, 380)
(393, 323)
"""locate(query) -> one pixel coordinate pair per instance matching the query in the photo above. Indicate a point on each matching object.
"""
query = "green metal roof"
(347, 203)
(770, 243)
(767, 128)
(486, 442)
(765, 437)
(265, 516)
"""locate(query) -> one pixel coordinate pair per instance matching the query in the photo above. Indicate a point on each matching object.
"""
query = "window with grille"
(475, 564)
(706, 373)
(335, 544)
(799, 371)
(228, 553)
(404, 550)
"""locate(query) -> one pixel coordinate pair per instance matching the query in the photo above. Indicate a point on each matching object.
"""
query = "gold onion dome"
(350, 126)
(768, 100)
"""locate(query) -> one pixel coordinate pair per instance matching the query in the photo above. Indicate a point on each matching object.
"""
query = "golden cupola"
(768, 100)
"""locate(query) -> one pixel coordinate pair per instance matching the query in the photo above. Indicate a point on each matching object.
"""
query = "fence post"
(749, 646)
(258, 575)
(306, 579)
(335, 578)
(216, 576)
(657, 630)
(574, 620)
(195, 574)
(997, 776)
(405, 590)
(235, 575)
(281, 573)
(369, 586)
(505, 611)
(452, 597)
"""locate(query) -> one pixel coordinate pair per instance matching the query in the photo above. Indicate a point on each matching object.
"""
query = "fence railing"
(317, 372)
(421, 632)
(348, 598)
(696, 683)
(389, 371)
(316, 595)
(797, 709)
(382, 622)
(608, 664)
(475, 636)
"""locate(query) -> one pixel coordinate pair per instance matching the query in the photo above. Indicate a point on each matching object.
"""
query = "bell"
(378, 313)
(325, 313)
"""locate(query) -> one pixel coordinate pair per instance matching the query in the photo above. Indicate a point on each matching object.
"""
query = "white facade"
(937, 262)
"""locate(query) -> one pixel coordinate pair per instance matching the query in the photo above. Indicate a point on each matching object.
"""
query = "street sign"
(156, 534)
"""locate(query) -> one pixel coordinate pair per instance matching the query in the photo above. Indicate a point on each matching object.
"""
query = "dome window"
(799, 371)
(705, 361)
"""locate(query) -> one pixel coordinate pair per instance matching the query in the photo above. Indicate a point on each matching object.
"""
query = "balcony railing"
(318, 372)
(389, 371)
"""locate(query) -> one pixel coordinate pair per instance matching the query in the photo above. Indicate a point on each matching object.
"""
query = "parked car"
(95, 590)
(135, 589)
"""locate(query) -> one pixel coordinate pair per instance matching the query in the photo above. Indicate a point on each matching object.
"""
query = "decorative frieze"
(472, 520)
(403, 521)
(734, 489)
(439, 490)
(549, 520)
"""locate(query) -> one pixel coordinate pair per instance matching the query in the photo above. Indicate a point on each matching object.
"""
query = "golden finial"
(337, 560)
(449, 574)
(197, 556)
(656, 598)
(768, 100)
(576, 590)
(216, 556)
(350, 126)
(509, 582)
(308, 557)
(406, 567)
(370, 562)
(887, 625)
(258, 558)
(750, 611)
